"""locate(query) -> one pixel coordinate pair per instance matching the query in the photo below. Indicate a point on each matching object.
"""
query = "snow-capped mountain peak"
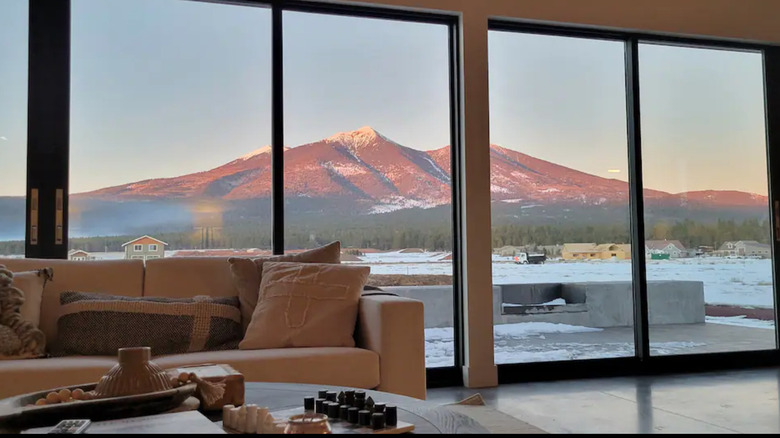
(356, 139)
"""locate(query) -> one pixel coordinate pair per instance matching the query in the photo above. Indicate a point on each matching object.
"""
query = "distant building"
(673, 248)
(144, 248)
(591, 251)
(79, 254)
(745, 248)
(508, 251)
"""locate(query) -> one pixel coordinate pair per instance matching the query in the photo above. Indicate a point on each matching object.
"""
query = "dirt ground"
(380, 280)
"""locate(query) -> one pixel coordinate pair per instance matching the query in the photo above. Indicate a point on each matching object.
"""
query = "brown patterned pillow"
(247, 273)
(306, 305)
(98, 324)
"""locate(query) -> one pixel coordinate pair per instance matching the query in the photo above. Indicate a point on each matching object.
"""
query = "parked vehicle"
(524, 258)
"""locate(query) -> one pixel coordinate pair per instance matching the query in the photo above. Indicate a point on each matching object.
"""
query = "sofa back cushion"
(186, 277)
(115, 277)
(99, 324)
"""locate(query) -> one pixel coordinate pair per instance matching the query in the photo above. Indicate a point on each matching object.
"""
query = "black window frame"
(48, 149)
(643, 362)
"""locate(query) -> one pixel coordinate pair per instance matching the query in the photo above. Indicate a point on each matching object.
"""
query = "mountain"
(378, 175)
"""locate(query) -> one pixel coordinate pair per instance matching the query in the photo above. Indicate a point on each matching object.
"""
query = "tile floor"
(722, 402)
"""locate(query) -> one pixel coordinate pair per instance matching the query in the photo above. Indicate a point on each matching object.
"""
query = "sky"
(165, 88)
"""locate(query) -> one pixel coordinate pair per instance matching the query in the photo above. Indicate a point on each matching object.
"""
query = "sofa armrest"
(394, 328)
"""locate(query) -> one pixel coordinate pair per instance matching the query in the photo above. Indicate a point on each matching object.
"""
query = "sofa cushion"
(31, 375)
(115, 277)
(99, 324)
(186, 277)
(352, 367)
(247, 273)
(31, 283)
(306, 305)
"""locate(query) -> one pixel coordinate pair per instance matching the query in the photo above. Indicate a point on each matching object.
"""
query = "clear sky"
(169, 87)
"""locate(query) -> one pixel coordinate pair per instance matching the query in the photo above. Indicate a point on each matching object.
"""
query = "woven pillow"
(306, 305)
(19, 339)
(247, 273)
(98, 324)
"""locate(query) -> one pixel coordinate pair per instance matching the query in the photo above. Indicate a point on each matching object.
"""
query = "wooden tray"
(14, 413)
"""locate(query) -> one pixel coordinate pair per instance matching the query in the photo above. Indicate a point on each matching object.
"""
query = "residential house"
(745, 248)
(79, 254)
(592, 251)
(144, 248)
(673, 248)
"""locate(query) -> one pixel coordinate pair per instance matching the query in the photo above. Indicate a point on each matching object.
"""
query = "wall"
(751, 20)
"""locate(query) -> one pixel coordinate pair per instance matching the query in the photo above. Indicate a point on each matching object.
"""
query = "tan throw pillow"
(247, 273)
(31, 283)
(306, 305)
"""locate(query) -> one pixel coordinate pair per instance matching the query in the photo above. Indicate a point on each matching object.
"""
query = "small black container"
(360, 394)
(377, 421)
(350, 397)
(308, 403)
(343, 411)
(364, 418)
(333, 410)
(318, 406)
(391, 415)
(379, 407)
(352, 415)
(322, 393)
(332, 396)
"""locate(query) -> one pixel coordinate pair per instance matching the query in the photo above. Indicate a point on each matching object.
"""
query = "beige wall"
(749, 20)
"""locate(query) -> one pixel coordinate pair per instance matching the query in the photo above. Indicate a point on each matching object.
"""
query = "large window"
(708, 252)
(171, 116)
(13, 125)
(559, 171)
(367, 131)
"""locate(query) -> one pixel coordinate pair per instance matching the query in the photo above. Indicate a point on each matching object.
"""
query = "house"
(673, 248)
(591, 251)
(144, 248)
(745, 248)
(79, 254)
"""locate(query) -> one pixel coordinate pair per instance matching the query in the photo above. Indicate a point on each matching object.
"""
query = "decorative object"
(308, 424)
(134, 374)
(306, 305)
(32, 283)
(221, 374)
(247, 273)
(19, 339)
(99, 324)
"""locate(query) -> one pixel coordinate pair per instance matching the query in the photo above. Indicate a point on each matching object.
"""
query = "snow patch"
(740, 321)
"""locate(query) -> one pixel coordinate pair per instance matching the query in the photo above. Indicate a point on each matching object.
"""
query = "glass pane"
(709, 262)
(170, 122)
(13, 125)
(562, 280)
(367, 124)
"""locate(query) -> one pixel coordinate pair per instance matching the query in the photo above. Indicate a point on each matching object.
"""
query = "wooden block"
(218, 373)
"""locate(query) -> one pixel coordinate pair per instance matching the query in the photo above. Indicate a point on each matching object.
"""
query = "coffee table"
(426, 417)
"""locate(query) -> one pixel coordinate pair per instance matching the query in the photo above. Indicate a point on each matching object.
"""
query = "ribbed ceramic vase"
(134, 374)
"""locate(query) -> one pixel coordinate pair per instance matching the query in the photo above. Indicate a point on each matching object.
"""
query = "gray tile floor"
(724, 402)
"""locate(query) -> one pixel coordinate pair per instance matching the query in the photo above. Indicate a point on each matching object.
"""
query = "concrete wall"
(591, 304)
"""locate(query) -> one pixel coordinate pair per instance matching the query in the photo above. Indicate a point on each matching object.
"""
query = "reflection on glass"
(170, 122)
(367, 126)
(13, 125)
(709, 262)
(561, 248)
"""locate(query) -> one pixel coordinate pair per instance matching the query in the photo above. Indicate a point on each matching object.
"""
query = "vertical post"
(479, 369)
(48, 124)
(277, 141)
(772, 105)
(636, 191)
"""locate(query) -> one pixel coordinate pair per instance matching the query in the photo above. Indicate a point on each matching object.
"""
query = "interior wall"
(744, 20)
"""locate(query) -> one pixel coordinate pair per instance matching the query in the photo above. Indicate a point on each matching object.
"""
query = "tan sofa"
(390, 352)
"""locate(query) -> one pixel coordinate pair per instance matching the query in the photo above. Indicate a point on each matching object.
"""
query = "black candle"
(360, 394)
(308, 403)
(379, 407)
(343, 411)
(352, 415)
(318, 406)
(332, 396)
(364, 418)
(322, 393)
(350, 397)
(333, 410)
(391, 415)
(377, 421)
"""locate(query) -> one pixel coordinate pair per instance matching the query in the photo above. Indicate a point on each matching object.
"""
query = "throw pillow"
(247, 273)
(31, 283)
(19, 339)
(98, 324)
(306, 305)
